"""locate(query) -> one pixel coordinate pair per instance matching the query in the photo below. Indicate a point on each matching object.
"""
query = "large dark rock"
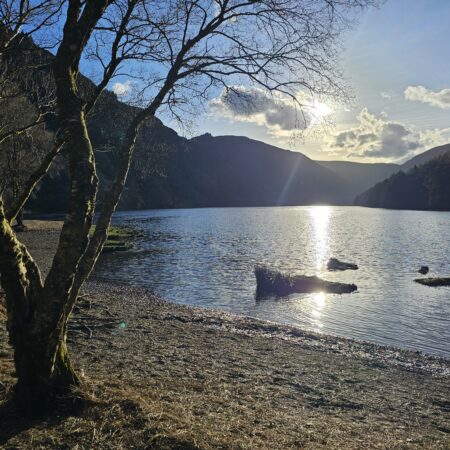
(270, 282)
(434, 282)
(335, 264)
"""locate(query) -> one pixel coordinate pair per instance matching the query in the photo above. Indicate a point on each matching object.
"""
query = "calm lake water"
(205, 257)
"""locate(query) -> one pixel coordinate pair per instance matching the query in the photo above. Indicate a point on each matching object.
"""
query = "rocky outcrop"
(270, 282)
(434, 282)
(335, 264)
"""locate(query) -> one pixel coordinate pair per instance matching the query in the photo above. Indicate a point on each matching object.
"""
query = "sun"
(319, 111)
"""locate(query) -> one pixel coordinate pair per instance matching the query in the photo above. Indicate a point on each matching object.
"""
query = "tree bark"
(45, 374)
(19, 218)
(38, 313)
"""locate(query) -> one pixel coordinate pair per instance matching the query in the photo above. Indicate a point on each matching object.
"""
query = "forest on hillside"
(424, 187)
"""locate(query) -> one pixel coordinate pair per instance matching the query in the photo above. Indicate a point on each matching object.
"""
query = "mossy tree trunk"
(43, 368)
(38, 312)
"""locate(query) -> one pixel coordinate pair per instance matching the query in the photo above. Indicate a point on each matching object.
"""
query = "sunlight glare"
(319, 300)
(319, 111)
(320, 220)
(318, 303)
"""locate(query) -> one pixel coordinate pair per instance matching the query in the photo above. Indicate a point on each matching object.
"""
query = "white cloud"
(386, 95)
(441, 99)
(381, 139)
(280, 114)
(122, 89)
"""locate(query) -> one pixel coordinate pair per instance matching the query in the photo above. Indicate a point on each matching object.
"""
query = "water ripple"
(206, 257)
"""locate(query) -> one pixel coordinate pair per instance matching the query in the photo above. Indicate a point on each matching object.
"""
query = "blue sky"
(404, 43)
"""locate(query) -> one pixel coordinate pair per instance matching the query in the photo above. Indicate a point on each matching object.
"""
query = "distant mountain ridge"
(424, 157)
(239, 171)
(361, 175)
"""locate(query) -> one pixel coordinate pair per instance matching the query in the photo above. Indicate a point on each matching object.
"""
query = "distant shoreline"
(38, 216)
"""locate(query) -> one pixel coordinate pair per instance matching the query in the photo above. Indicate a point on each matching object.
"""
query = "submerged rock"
(335, 264)
(434, 282)
(271, 282)
(118, 246)
(424, 270)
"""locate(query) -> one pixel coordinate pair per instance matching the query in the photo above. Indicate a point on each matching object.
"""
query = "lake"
(205, 257)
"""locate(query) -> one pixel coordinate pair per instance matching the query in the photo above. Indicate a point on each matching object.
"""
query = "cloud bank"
(440, 99)
(375, 137)
(278, 113)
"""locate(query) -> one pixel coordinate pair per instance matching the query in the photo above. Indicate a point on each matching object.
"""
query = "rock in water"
(335, 264)
(424, 270)
(434, 282)
(271, 282)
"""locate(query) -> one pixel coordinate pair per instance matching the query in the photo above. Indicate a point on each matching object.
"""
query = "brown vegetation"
(178, 377)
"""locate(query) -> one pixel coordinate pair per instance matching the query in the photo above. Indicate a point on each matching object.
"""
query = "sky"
(397, 62)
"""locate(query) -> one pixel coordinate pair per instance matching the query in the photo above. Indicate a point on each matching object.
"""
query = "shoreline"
(247, 325)
(172, 376)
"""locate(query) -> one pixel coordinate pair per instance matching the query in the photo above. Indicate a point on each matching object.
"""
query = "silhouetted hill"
(361, 175)
(170, 171)
(425, 157)
(238, 171)
(425, 187)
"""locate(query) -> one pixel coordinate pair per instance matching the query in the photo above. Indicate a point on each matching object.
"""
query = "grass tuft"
(119, 239)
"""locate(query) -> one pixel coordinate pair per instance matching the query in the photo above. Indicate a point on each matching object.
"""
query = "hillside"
(210, 171)
(238, 171)
(361, 176)
(170, 171)
(424, 157)
(425, 187)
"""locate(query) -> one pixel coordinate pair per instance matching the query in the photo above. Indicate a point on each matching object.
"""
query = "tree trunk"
(45, 374)
(19, 219)
(38, 312)
(43, 367)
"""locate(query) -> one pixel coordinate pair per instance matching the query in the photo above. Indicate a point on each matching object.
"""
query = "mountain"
(238, 171)
(425, 157)
(361, 175)
(171, 171)
(424, 187)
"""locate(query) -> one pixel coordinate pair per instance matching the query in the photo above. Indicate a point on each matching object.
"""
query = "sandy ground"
(182, 377)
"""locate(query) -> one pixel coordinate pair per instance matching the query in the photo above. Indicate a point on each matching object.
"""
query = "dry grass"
(182, 378)
(117, 419)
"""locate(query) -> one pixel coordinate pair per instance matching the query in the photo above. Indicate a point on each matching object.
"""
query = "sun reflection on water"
(320, 220)
(317, 305)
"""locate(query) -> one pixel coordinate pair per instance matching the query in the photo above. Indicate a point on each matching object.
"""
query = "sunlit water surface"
(206, 257)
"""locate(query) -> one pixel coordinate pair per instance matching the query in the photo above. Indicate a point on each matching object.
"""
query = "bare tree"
(20, 19)
(21, 153)
(183, 51)
(26, 93)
